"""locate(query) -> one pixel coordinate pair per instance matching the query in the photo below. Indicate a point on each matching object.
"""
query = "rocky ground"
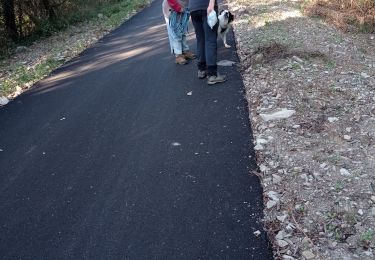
(311, 94)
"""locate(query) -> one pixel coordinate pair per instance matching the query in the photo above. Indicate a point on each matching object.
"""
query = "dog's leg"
(225, 41)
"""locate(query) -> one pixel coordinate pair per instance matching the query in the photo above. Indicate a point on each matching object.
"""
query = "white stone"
(282, 243)
(348, 129)
(280, 235)
(261, 141)
(273, 195)
(284, 113)
(364, 75)
(258, 147)
(360, 212)
(263, 168)
(276, 178)
(347, 137)
(344, 172)
(257, 233)
(270, 204)
(297, 59)
(281, 218)
(189, 93)
(332, 119)
(3, 101)
(296, 126)
(307, 254)
(288, 257)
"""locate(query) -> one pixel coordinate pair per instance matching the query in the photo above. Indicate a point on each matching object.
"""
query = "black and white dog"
(225, 22)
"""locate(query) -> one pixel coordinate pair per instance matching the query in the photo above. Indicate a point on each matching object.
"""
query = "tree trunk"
(50, 10)
(10, 18)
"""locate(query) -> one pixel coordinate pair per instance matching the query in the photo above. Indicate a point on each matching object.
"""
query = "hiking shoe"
(216, 79)
(189, 55)
(202, 74)
(180, 59)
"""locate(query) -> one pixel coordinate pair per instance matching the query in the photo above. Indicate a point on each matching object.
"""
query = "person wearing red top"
(178, 44)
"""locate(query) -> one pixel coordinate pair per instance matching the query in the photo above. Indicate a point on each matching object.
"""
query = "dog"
(225, 22)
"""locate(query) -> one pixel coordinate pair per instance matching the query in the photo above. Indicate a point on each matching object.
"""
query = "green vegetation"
(105, 14)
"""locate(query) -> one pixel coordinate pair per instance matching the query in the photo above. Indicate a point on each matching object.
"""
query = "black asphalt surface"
(109, 158)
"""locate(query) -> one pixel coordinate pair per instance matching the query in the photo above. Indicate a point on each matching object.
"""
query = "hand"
(210, 7)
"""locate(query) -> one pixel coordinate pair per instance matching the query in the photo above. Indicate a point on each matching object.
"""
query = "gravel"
(319, 160)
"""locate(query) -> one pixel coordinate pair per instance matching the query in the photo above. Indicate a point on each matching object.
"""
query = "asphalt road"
(109, 158)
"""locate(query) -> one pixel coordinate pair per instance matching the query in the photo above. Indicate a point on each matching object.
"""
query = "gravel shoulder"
(316, 155)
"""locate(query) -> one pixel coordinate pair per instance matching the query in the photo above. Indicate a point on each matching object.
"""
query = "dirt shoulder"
(317, 156)
(30, 64)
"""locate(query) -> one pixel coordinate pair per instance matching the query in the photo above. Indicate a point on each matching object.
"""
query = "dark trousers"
(206, 42)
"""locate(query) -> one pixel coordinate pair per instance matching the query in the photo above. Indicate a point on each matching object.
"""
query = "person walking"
(176, 16)
(206, 40)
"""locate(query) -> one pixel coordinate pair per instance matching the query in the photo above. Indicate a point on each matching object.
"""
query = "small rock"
(281, 218)
(21, 49)
(176, 144)
(282, 243)
(360, 212)
(305, 240)
(273, 196)
(1, 150)
(284, 113)
(344, 172)
(257, 233)
(100, 15)
(258, 58)
(347, 137)
(270, 204)
(276, 178)
(297, 59)
(288, 257)
(296, 126)
(258, 147)
(373, 198)
(364, 75)
(348, 129)
(280, 235)
(261, 141)
(307, 254)
(3, 101)
(332, 119)
(263, 168)
(189, 93)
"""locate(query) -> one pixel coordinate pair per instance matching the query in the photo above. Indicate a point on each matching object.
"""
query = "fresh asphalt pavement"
(109, 158)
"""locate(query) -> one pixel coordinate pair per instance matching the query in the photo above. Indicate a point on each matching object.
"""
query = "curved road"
(109, 158)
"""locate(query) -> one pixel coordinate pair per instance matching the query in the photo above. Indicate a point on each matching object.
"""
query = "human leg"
(197, 19)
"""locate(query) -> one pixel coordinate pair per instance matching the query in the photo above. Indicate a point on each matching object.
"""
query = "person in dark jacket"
(206, 40)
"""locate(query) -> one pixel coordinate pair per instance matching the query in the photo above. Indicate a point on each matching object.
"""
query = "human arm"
(211, 6)
(174, 4)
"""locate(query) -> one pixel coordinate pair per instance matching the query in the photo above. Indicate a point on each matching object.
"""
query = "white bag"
(212, 19)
